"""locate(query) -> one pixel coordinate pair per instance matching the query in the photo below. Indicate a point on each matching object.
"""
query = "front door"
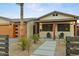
(36, 28)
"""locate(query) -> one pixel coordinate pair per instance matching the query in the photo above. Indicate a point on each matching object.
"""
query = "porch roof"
(56, 20)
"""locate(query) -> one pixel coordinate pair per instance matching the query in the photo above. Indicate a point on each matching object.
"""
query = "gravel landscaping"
(60, 48)
(15, 49)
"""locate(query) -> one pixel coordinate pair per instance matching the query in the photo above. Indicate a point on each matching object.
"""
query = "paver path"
(46, 49)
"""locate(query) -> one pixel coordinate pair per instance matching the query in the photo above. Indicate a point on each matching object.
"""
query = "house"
(52, 25)
(11, 27)
(56, 24)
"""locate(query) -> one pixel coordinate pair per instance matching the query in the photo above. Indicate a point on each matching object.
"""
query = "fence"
(4, 45)
(72, 46)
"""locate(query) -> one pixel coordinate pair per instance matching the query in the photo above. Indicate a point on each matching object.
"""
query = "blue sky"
(11, 10)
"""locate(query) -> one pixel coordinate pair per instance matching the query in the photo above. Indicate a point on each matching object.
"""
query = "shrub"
(35, 38)
(25, 43)
(28, 46)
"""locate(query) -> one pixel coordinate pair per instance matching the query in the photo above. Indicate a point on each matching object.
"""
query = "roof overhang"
(56, 20)
(75, 16)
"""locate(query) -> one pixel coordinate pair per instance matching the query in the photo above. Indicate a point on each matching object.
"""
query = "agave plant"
(35, 38)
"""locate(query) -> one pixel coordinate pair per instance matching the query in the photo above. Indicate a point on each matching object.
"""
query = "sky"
(12, 10)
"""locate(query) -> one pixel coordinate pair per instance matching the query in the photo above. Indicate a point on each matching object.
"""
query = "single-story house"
(52, 25)
(56, 24)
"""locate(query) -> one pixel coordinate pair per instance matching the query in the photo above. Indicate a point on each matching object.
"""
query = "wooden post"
(67, 46)
(35, 28)
(5, 47)
(75, 28)
(53, 31)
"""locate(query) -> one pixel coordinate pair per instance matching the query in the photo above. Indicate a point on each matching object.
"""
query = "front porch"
(54, 29)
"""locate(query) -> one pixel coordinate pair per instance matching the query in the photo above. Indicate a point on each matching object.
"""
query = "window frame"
(63, 27)
(46, 28)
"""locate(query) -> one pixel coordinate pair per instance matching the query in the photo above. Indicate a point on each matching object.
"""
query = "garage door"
(4, 30)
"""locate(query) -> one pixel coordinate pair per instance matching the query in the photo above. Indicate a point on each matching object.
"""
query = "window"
(63, 27)
(47, 27)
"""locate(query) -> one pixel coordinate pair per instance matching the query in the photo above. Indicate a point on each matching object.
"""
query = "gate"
(4, 45)
(72, 46)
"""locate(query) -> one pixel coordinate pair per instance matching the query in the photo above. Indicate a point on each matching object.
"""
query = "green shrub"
(25, 43)
(35, 38)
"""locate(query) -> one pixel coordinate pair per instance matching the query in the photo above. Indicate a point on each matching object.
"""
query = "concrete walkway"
(13, 40)
(46, 49)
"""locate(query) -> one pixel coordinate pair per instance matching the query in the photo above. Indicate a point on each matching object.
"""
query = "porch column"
(35, 28)
(75, 28)
(54, 31)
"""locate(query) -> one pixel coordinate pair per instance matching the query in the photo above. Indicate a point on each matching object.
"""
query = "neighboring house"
(51, 25)
(11, 27)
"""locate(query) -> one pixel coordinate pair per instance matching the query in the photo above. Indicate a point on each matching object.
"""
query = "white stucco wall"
(66, 33)
(43, 34)
(29, 29)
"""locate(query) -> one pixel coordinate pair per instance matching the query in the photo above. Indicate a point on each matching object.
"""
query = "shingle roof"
(17, 19)
(5, 18)
(25, 19)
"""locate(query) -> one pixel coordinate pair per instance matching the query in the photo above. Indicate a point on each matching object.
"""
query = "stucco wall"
(66, 33)
(29, 29)
(43, 34)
